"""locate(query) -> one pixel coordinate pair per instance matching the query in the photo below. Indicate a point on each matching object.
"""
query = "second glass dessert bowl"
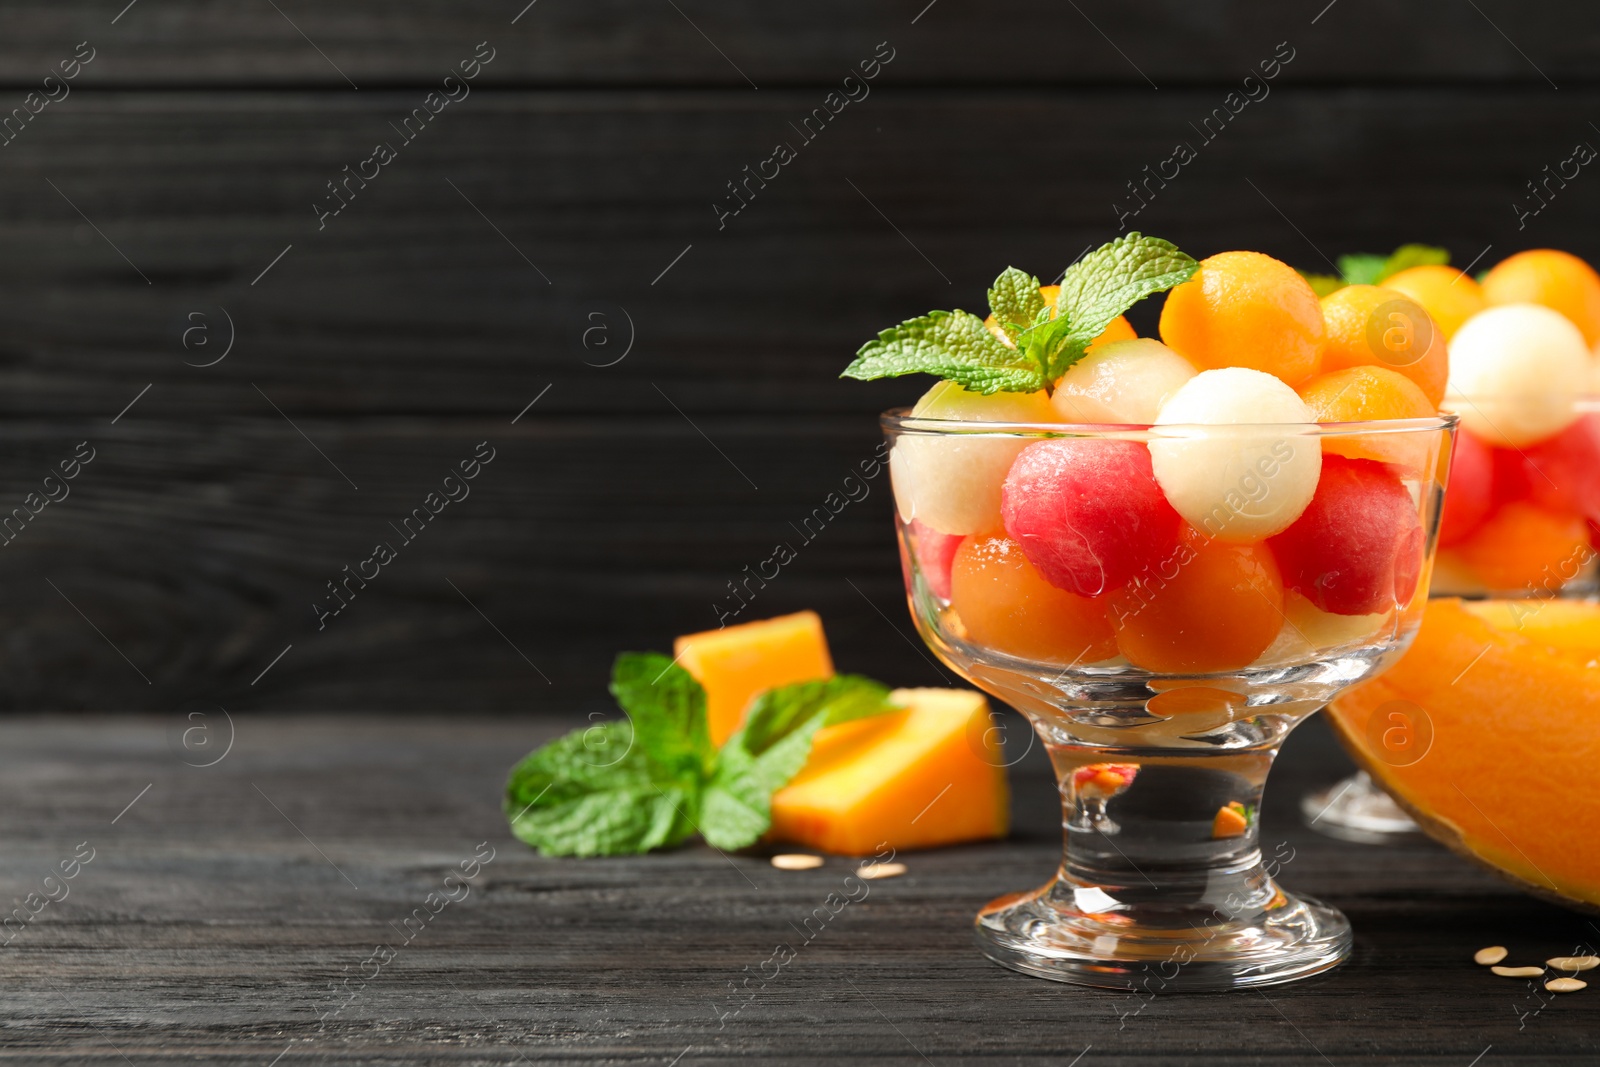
(1521, 522)
(1165, 603)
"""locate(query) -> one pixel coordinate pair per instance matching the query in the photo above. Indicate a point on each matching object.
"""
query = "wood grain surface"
(700, 426)
(221, 909)
(551, 265)
(719, 42)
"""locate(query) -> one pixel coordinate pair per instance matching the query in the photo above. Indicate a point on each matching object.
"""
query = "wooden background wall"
(579, 178)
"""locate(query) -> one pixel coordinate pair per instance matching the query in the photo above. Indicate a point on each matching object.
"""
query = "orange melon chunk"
(738, 662)
(1569, 626)
(931, 775)
(1229, 821)
(1511, 698)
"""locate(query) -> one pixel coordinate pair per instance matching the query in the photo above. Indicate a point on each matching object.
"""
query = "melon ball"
(1359, 547)
(952, 482)
(1225, 468)
(1309, 632)
(1087, 512)
(935, 553)
(1469, 494)
(1125, 382)
(1515, 373)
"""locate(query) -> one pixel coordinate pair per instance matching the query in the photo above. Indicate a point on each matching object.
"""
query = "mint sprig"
(1364, 268)
(957, 347)
(953, 345)
(653, 780)
(1015, 301)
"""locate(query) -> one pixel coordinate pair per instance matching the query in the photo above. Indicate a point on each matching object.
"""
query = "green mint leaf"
(1046, 343)
(1365, 269)
(668, 710)
(1104, 284)
(778, 712)
(772, 746)
(1362, 268)
(953, 345)
(1407, 256)
(1323, 284)
(595, 792)
(1015, 300)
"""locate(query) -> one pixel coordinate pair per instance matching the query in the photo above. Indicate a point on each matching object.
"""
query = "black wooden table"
(275, 908)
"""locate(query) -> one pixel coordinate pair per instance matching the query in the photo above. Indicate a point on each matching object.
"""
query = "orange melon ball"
(1006, 605)
(1522, 547)
(1358, 394)
(1245, 309)
(1118, 329)
(1215, 607)
(1558, 280)
(1450, 296)
(1370, 326)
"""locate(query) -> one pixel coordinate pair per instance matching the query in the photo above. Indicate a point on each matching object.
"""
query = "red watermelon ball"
(1564, 472)
(936, 554)
(1088, 513)
(1469, 497)
(1357, 548)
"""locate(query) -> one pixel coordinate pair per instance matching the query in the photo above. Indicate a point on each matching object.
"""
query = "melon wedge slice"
(738, 662)
(1512, 698)
(931, 775)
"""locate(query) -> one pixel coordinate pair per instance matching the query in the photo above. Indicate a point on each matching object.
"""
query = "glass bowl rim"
(900, 420)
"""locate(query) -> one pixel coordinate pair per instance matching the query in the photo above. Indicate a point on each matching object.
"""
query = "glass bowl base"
(1164, 951)
(1357, 810)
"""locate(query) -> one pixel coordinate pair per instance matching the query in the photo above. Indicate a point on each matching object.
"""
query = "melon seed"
(1518, 972)
(1486, 956)
(881, 870)
(1574, 963)
(796, 861)
(1565, 985)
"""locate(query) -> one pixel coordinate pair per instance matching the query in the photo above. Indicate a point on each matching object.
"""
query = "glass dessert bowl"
(1165, 603)
(1521, 522)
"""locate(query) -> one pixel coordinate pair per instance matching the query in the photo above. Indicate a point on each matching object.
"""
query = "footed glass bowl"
(1165, 603)
(1521, 521)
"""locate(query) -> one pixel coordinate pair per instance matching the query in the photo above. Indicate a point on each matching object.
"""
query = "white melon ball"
(1224, 467)
(1516, 372)
(1124, 381)
(952, 482)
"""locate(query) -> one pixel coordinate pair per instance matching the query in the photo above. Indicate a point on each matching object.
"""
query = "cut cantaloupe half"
(931, 775)
(736, 663)
(1510, 692)
(1563, 625)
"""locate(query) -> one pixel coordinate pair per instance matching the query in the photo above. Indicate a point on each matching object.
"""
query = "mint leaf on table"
(777, 712)
(956, 346)
(667, 708)
(953, 345)
(772, 746)
(1104, 284)
(595, 792)
(1015, 301)
(622, 788)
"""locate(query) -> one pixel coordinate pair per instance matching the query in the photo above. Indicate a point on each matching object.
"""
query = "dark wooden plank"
(410, 302)
(614, 42)
(206, 927)
(409, 330)
(199, 551)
